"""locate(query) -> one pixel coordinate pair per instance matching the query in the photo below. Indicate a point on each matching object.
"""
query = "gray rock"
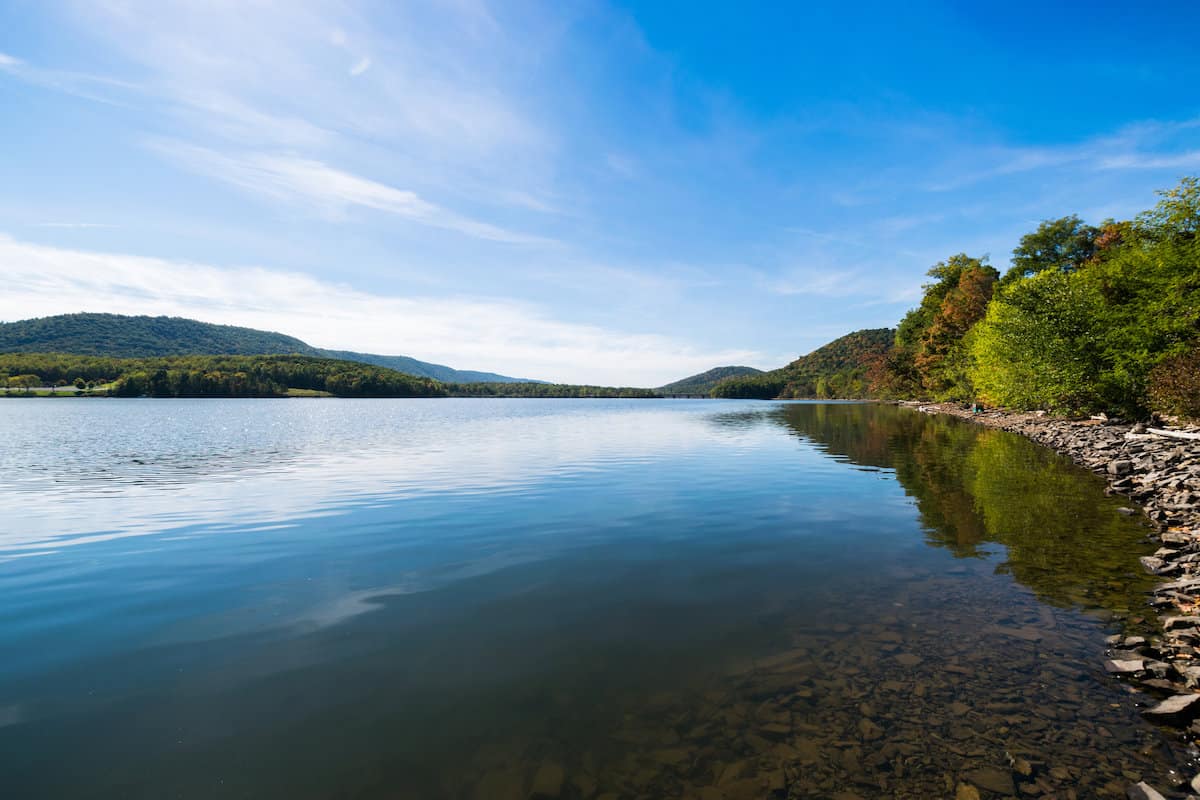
(1143, 791)
(1124, 667)
(1177, 710)
(1152, 563)
(1121, 467)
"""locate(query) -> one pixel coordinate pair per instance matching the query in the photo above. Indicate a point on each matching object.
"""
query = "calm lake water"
(498, 598)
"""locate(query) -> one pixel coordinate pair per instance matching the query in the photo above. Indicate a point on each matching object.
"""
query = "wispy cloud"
(466, 332)
(1186, 160)
(330, 190)
(73, 225)
(1148, 145)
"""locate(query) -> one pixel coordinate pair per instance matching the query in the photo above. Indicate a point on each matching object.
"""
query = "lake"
(561, 598)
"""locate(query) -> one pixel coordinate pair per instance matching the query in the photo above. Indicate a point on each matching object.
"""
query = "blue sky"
(607, 193)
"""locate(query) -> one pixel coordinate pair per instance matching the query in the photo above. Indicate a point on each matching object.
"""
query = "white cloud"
(73, 225)
(361, 66)
(330, 190)
(465, 332)
(1186, 160)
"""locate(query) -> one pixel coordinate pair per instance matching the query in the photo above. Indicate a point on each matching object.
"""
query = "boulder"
(1177, 710)
(1143, 791)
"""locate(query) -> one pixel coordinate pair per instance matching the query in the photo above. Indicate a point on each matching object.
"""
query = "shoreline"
(1158, 471)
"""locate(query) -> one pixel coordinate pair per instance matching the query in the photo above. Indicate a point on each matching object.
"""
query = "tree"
(1037, 346)
(942, 358)
(27, 382)
(1177, 215)
(1065, 244)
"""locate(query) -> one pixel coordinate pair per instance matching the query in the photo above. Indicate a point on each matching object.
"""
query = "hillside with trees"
(120, 336)
(704, 382)
(211, 376)
(836, 370)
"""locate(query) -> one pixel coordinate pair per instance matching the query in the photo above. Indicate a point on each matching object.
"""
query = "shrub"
(1175, 385)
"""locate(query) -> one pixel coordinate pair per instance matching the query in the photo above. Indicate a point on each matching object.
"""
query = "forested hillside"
(835, 370)
(123, 336)
(705, 381)
(211, 376)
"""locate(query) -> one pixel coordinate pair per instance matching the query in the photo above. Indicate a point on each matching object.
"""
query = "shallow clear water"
(488, 598)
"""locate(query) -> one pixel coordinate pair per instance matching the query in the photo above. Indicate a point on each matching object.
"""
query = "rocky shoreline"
(1159, 469)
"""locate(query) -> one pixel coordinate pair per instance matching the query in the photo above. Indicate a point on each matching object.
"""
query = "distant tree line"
(545, 390)
(215, 376)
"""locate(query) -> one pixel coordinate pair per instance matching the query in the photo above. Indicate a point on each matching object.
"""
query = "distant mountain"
(705, 381)
(837, 369)
(121, 336)
(424, 369)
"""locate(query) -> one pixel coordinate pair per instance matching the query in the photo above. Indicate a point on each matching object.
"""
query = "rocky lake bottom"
(564, 599)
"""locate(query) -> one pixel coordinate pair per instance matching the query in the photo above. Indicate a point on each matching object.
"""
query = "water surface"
(618, 599)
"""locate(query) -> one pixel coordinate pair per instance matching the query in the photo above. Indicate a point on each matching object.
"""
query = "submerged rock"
(993, 779)
(966, 791)
(548, 782)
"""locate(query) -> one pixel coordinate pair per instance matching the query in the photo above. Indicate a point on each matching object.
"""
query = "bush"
(1175, 385)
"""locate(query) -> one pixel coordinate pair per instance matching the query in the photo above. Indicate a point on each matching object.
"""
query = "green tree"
(28, 382)
(1065, 244)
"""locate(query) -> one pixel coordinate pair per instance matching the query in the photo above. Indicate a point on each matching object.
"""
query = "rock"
(808, 751)
(993, 780)
(870, 731)
(672, 756)
(1170, 623)
(1124, 667)
(966, 791)
(1120, 467)
(1143, 791)
(1152, 564)
(908, 660)
(503, 785)
(1028, 634)
(549, 779)
(1021, 766)
(1177, 710)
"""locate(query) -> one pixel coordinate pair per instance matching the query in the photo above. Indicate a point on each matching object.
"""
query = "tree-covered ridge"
(411, 366)
(121, 336)
(704, 382)
(836, 370)
(214, 376)
(546, 390)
